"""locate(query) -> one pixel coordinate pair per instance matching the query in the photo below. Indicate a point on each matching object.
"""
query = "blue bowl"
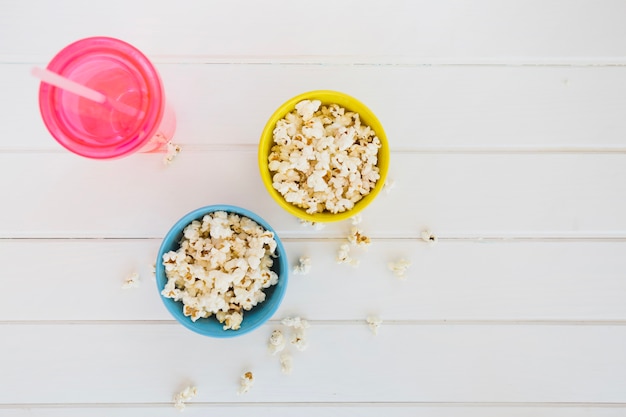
(253, 318)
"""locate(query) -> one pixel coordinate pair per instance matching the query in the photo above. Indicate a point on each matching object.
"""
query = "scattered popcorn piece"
(374, 323)
(172, 150)
(429, 237)
(315, 225)
(132, 281)
(286, 363)
(276, 343)
(390, 184)
(245, 383)
(153, 270)
(299, 339)
(399, 267)
(356, 219)
(343, 256)
(303, 267)
(185, 395)
(299, 325)
(357, 237)
(323, 158)
(295, 322)
(221, 268)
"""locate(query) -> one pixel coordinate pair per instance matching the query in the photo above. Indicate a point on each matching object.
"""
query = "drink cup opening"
(135, 104)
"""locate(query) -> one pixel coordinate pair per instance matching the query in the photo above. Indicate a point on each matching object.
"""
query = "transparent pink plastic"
(135, 116)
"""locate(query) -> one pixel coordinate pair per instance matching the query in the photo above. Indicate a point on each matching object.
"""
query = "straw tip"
(36, 71)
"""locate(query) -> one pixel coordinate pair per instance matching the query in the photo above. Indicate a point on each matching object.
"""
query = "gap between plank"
(579, 238)
(354, 60)
(355, 322)
(416, 404)
(452, 150)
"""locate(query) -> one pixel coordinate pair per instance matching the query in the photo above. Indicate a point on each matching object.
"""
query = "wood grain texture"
(395, 31)
(424, 108)
(408, 363)
(194, 409)
(454, 281)
(454, 195)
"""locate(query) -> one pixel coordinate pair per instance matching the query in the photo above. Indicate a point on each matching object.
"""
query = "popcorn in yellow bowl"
(323, 156)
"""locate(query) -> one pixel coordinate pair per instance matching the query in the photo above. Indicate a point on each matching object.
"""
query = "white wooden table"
(508, 137)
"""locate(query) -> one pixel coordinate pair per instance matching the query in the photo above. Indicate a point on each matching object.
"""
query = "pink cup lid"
(102, 130)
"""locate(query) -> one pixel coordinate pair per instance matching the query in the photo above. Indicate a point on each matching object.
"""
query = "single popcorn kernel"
(357, 237)
(295, 322)
(245, 383)
(276, 343)
(299, 326)
(286, 363)
(314, 225)
(132, 281)
(183, 396)
(399, 267)
(222, 268)
(356, 219)
(303, 267)
(233, 321)
(299, 339)
(343, 256)
(428, 237)
(374, 323)
(172, 150)
(323, 158)
(390, 184)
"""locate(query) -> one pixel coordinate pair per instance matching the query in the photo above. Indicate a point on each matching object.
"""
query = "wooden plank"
(446, 30)
(338, 410)
(405, 363)
(421, 108)
(479, 195)
(455, 281)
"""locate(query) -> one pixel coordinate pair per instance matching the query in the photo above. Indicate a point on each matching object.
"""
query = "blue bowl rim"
(170, 241)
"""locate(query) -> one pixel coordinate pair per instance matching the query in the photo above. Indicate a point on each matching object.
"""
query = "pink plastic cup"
(135, 116)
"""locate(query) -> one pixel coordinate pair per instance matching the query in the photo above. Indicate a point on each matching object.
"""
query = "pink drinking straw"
(56, 80)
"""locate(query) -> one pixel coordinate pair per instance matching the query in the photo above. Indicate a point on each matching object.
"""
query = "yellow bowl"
(350, 104)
